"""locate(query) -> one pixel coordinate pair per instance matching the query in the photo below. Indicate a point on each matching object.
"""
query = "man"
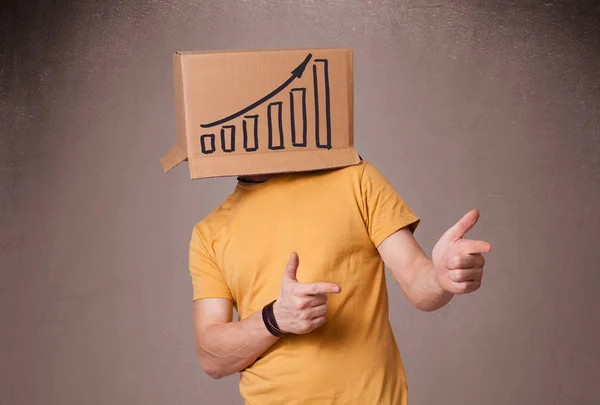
(316, 330)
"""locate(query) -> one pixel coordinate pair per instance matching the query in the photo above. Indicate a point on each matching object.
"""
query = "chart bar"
(275, 124)
(298, 116)
(322, 103)
(228, 138)
(207, 142)
(250, 133)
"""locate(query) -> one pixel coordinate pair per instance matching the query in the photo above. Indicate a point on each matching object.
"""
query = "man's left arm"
(455, 267)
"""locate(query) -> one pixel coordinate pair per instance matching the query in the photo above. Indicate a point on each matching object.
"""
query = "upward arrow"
(296, 73)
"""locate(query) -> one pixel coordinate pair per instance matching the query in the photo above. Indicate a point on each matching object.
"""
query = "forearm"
(229, 348)
(425, 292)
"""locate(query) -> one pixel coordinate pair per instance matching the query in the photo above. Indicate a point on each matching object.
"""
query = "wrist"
(269, 320)
(438, 283)
(276, 308)
(277, 314)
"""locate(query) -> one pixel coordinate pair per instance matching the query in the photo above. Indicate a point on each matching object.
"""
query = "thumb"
(463, 225)
(290, 269)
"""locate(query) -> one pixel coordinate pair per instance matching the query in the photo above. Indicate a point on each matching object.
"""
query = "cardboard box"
(259, 112)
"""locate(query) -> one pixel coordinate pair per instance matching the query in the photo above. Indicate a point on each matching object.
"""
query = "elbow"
(214, 372)
(430, 305)
(425, 307)
(421, 305)
(211, 368)
(427, 301)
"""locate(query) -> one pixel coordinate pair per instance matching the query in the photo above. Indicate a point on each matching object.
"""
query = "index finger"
(475, 246)
(317, 288)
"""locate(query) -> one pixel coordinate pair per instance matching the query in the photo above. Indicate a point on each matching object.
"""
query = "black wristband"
(269, 320)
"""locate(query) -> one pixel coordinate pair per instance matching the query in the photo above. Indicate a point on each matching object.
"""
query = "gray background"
(461, 104)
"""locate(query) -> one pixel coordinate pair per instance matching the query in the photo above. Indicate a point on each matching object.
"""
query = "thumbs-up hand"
(459, 262)
(301, 308)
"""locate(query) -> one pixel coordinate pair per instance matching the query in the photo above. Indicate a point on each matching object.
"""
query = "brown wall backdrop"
(461, 104)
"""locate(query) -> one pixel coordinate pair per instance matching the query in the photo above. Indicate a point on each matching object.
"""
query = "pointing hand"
(301, 308)
(459, 262)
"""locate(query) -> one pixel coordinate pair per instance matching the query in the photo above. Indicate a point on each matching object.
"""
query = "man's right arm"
(225, 347)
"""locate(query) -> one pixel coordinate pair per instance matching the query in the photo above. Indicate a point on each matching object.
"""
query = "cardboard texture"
(259, 112)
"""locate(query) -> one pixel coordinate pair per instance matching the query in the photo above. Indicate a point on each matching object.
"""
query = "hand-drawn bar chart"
(279, 135)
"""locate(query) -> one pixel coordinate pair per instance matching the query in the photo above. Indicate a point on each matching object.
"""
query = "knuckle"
(314, 288)
(456, 262)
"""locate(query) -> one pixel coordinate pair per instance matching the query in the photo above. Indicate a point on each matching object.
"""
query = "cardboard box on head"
(263, 112)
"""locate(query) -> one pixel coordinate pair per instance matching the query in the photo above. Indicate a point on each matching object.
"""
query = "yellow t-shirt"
(335, 220)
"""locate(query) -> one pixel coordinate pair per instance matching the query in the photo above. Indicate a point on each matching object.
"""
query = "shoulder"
(209, 226)
(356, 178)
(364, 168)
(362, 174)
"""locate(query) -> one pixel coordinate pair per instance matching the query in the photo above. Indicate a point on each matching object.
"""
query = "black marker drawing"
(278, 122)
(325, 74)
(298, 116)
(296, 73)
(254, 130)
(203, 139)
(231, 131)
(293, 93)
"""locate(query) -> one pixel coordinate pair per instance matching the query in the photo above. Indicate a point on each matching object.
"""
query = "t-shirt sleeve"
(386, 212)
(207, 277)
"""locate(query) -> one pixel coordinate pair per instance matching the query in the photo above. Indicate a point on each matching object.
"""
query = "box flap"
(173, 157)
